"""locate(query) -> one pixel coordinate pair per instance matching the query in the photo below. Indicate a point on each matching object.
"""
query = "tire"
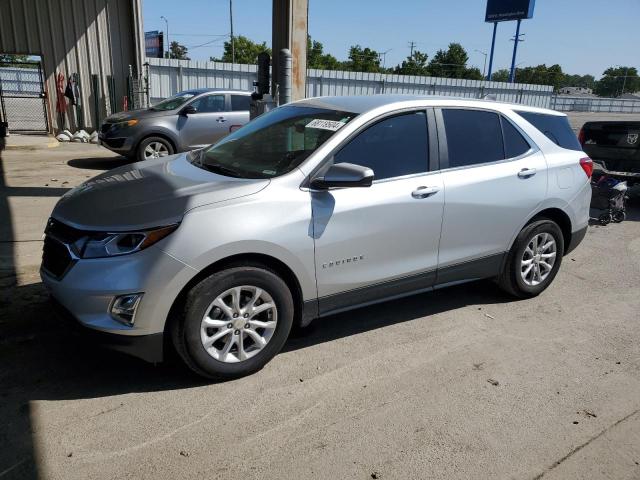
(190, 332)
(619, 216)
(511, 280)
(160, 146)
(605, 219)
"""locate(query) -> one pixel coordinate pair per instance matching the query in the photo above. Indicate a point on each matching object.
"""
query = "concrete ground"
(464, 382)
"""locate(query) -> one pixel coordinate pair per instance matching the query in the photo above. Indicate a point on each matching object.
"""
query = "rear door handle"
(424, 192)
(221, 119)
(527, 172)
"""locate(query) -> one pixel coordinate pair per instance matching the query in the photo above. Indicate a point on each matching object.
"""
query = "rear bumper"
(146, 347)
(632, 177)
(576, 239)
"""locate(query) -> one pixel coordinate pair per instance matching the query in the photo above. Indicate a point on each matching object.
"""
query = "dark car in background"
(186, 121)
(614, 146)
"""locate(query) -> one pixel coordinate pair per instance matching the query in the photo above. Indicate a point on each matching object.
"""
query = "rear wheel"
(234, 322)
(153, 147)
(534, 259)
(619, 216)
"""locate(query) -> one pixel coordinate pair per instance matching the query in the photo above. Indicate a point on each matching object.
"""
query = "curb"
(37, 146)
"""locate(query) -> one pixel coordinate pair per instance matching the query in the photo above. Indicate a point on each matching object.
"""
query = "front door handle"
(527, 172)
(221, 120)
(424, 192)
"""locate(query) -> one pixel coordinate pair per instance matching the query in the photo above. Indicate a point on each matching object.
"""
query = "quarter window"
(514, 143)
(473, 137)
(393, 147)
(240, 103)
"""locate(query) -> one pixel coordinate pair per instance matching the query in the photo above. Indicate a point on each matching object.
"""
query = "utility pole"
(516, 40)
(484, 68)
(233, 42)
(624, 82)
(168, 44)
(493, 48)
(411, 46)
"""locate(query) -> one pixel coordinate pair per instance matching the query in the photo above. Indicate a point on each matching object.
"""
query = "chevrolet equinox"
(317, 207)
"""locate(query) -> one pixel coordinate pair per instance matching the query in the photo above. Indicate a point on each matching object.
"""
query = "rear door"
(237, 111)
(494, 178)
(381, 241)
(207, 125)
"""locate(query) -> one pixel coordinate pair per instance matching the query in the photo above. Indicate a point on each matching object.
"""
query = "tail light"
(587, 165)
(581, 136)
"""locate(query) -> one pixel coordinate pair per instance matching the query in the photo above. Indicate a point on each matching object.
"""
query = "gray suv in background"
(188, 120)
(317, 207)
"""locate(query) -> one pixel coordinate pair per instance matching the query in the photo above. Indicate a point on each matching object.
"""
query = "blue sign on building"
(154, 44)
(504, 10)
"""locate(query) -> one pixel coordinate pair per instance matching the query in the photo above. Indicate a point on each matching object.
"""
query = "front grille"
(114, 142)
(56, 258)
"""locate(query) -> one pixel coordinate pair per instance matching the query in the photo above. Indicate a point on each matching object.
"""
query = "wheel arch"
(243, 259)
(560, 218)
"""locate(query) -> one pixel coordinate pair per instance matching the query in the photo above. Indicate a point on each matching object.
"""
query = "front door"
(207, 125)
(381, 241)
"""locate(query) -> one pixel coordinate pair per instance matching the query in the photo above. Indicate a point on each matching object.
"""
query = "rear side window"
(556, 128)
(393, 147)
(240, 103)
(514, 143)
(473, 137)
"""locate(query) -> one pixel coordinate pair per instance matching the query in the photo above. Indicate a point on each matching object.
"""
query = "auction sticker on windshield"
(325, 124)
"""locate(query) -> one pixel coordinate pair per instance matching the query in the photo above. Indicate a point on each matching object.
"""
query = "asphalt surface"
(459, 383)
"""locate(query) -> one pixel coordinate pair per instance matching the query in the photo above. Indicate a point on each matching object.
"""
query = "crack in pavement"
(580, 447)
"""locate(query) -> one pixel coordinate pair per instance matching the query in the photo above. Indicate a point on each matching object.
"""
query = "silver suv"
(316, 207)
(188, 120)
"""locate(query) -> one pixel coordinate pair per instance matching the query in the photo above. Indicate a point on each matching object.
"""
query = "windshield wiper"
(221, 169)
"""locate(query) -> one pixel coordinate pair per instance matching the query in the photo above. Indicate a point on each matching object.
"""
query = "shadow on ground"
(98, 163)
(41, 360)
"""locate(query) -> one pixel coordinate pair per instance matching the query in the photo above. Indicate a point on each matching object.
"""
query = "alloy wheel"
(156, 150)
(538, 259)
(238, 324)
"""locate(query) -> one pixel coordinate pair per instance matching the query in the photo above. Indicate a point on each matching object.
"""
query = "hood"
(148, 194)
(138, 114)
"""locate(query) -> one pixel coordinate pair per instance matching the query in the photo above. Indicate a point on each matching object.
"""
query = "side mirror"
(344, 175)
(189, 109)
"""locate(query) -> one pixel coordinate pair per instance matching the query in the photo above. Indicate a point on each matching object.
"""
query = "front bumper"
(86, 292)
(147, 347)
(118, 142)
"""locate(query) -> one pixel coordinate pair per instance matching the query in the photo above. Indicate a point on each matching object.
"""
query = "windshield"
(174, 102)
(274, 143)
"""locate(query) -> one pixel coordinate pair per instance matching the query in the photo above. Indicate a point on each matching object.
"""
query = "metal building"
(97, 42)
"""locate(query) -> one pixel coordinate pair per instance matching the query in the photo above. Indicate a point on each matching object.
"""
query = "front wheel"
(534, 259)
(234, 322)
(153, 147)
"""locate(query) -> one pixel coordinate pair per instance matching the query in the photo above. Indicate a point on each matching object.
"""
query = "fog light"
(123, 308)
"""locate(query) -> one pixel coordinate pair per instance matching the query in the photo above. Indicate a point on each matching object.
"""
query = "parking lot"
(463, 382)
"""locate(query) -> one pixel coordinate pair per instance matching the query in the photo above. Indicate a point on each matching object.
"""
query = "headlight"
(99, 245)
(128, 123)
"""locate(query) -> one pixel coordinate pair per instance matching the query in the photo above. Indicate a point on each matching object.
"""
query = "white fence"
(565, 103)
(168, 76)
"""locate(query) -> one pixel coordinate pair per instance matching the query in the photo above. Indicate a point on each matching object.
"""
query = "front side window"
(473, 137)
(174, 102)
(209, 104)
(274, 143)
(393, 147)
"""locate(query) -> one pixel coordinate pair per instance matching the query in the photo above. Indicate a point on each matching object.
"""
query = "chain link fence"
(22, 97)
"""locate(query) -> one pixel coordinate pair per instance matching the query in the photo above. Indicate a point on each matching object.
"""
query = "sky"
(583, 36)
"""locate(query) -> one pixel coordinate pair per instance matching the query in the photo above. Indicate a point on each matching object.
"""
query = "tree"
(5, 59)
(473, 73)
(246, 51)
(316, 58)
(363, 60)
(500, 75)
(178, 51)
(618, 80)
(415, 64)
(450, 63)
